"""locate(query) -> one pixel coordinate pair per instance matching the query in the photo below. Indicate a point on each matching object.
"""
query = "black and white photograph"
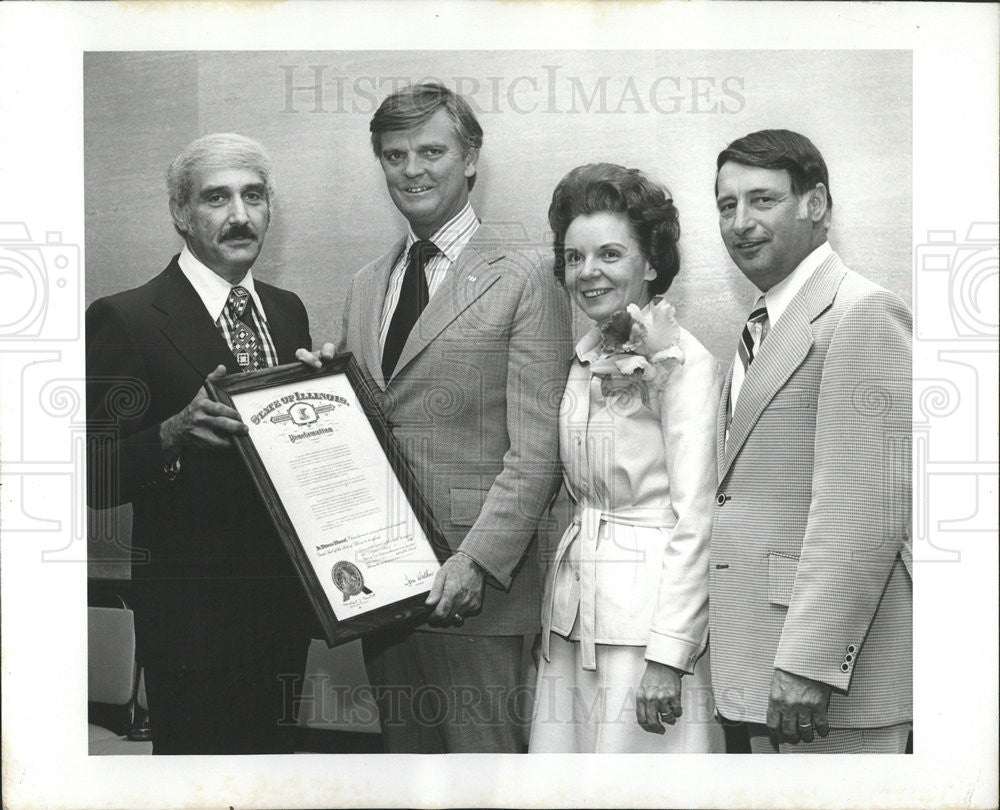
(642, 443)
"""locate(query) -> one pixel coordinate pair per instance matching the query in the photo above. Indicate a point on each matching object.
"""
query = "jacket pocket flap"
(794, 396)
(781, 570)
(466, 504)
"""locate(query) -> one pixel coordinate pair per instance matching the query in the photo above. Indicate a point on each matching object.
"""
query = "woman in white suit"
(624, 666)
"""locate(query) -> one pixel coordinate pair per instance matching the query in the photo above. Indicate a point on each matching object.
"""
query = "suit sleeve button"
(848, 658)
(845, 667)
(851, 648)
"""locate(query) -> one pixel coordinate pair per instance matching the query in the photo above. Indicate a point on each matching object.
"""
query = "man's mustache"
(238, 232)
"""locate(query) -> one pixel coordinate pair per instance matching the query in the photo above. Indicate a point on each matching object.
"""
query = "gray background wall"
(668, 113)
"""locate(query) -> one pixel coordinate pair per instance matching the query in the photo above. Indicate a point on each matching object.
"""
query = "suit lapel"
(279, 323)
(785, 347)
(720, 423)
(371, 289)
(471, 276)
(186, 324)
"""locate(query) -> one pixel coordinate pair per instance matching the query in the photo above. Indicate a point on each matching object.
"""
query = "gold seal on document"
(347, 577)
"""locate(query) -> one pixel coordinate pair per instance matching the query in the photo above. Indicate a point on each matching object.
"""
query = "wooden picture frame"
(353, 559)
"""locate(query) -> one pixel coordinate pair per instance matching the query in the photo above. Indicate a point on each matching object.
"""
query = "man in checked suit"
(220, 614)
(469, 341)
(811, 589)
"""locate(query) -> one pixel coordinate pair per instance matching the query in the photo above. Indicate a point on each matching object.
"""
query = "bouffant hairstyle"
(600, 187)
(414, 105)
(780, 149)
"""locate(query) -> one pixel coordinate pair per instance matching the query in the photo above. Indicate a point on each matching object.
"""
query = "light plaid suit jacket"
(811, 544)
(474, 403)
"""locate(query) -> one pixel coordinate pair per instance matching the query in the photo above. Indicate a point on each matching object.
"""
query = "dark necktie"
(246, 342)
(413, 298)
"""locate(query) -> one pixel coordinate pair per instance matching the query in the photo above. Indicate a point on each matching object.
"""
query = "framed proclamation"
(344, 501)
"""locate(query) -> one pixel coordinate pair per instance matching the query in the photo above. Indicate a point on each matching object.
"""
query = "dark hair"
(414, 105)
(599, 187)
(780, 149)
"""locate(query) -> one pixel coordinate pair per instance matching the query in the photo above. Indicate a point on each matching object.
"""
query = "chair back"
(111, 664)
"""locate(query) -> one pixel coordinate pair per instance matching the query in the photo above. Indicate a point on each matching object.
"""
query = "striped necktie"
(753, 334)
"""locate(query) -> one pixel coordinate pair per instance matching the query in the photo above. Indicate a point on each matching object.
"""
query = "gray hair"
(218, 150)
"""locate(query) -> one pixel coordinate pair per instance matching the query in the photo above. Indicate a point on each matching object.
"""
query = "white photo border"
(955, 215)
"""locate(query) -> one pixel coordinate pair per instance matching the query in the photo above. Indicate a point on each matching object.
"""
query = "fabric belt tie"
(587, 527)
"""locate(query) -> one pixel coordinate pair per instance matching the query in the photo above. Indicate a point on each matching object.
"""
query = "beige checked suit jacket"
(811, 544)
(474, 403)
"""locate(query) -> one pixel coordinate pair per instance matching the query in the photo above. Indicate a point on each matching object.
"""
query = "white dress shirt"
(776, 301)
(451, 240)
(213, 290)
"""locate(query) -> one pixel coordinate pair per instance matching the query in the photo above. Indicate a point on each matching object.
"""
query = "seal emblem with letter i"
(347, 577)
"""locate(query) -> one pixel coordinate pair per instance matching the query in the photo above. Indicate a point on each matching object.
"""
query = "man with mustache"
(811, 592)
(466, 338)
(221, 619)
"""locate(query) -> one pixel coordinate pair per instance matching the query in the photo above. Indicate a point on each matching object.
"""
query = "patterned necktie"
(413, 297)
(753, 334)
(243, 334)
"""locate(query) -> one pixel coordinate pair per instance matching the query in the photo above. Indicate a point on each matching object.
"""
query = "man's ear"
(817, 205)
(178, 213)
(471, 159)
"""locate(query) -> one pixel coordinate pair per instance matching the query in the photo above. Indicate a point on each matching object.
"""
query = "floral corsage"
(635, 345)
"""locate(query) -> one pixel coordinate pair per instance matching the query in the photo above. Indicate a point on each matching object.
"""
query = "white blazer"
(640, 466)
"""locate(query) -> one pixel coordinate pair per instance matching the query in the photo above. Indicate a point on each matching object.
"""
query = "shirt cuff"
(672, 651)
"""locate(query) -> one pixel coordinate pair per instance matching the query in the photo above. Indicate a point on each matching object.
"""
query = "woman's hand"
(316, 360)
(658, 697)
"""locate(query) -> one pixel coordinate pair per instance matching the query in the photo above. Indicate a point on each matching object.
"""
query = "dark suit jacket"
(214, 583)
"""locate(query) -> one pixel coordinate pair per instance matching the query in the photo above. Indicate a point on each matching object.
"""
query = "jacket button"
(848, 658)
(851, 648)
(845, 667)
(722, 498)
